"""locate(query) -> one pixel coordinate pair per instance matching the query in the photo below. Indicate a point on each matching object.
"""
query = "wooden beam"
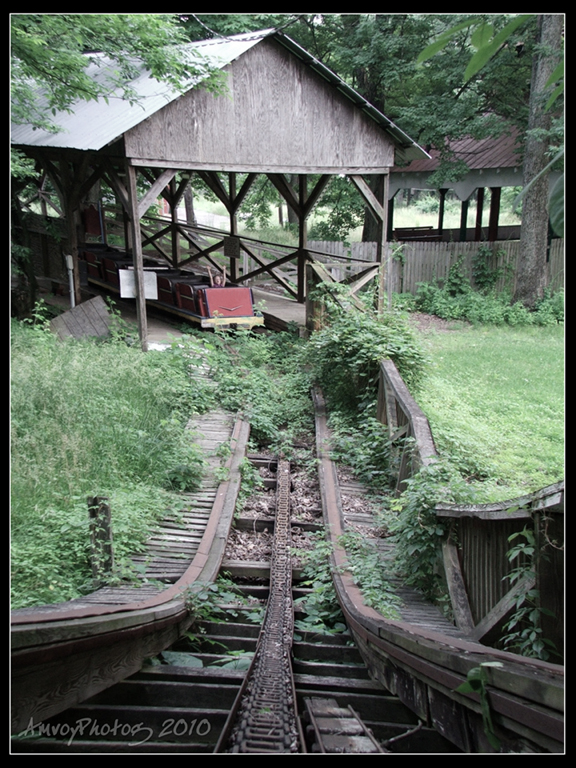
(113, 178)
(269, 268)
(457, 588)
(495, 196)
(154, 192)
(375, 205)
(361, 279)
(248, 181)
(134, 214)
(503, 607)
(315, 194)
(286, 191)
(380, 210)
(212, 180)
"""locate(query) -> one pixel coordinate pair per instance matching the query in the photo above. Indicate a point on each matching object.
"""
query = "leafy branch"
(476, 682)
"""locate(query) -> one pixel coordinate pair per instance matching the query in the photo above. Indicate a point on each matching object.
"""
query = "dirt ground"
(432, 323)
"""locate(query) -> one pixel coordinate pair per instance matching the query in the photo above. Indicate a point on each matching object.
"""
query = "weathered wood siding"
(425, 261)
(278, 116)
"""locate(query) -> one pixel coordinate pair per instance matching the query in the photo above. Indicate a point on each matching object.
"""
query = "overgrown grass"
(494, 397)
(263, 376)
(90, 419)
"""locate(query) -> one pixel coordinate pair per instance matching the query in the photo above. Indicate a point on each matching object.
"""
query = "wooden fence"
(407, 264)
(475, 550)
(416, 262)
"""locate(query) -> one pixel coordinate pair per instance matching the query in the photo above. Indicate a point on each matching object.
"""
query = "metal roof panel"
(92, 125)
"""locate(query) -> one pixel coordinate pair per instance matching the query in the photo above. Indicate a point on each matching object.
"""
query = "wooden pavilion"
(283, 114)
(492, 163)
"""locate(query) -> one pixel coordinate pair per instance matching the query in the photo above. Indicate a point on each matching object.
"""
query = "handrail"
(478, 569)
(425, 668)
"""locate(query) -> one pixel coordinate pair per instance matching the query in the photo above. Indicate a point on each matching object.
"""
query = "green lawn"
(495, 401)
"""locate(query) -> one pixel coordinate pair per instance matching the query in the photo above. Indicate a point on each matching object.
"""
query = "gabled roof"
(93, 125)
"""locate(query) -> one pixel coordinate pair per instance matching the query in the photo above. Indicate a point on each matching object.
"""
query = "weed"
(365, 564)
(214, 601)
(523, 633)
(476, 682)
(417, 531)
(320, 606)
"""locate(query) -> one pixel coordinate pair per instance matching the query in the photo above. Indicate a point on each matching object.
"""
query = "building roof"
(491, 163)
(93, 125)
(478, 154)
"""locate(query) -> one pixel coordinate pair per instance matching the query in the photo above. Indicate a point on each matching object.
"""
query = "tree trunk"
(189, 206)
(535, 216)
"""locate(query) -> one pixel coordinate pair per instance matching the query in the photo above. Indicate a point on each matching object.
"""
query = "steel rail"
(264, 718)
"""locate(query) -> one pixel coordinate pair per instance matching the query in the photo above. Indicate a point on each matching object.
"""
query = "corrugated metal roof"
(93, 125)
(478, 154)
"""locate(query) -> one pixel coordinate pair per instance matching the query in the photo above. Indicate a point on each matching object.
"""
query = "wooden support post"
(379, 208)
(441, 211)
(302, 237)
(174, 231)
(233, 264)
(464, 220)
(495, 194)
(138, 258)
(457, 588)
(101, 549)
(479, 210)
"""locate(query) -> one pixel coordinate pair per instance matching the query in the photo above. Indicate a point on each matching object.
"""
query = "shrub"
(344, 356)
(90, 418)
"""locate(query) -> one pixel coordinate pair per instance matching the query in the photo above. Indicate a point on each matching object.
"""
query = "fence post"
(101, 550)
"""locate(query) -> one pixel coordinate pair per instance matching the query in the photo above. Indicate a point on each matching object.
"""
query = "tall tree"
(535, 209)
(50, 53)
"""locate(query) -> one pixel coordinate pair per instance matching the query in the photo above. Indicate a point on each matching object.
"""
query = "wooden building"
(282, 113)
(492, 164)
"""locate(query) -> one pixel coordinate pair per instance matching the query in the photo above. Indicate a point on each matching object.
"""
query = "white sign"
(128, 284)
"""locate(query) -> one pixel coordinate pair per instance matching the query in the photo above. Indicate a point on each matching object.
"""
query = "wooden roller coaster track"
(62, 655)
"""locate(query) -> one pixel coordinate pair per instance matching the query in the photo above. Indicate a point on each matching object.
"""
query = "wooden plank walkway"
(172, 547)
(279, 311)
(415, 610)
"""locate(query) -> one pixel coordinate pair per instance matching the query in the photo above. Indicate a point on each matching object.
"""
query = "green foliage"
(219, 600)
(344, 357)
(456, 299)
(320, 606)
(365, 564)
(477, 682)
(417, 532)
(485, 274)
(91, 418)
(51, 53)
(491, 392)
(523, 632)
(361, 442)
(262, 375)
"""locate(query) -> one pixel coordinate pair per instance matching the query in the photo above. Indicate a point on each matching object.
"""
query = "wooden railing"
(476, 548)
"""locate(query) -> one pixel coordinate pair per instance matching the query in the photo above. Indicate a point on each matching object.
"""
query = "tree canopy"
(51, 52)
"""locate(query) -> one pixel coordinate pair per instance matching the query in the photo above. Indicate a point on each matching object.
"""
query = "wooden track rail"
(62, 654)
(424, 666)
